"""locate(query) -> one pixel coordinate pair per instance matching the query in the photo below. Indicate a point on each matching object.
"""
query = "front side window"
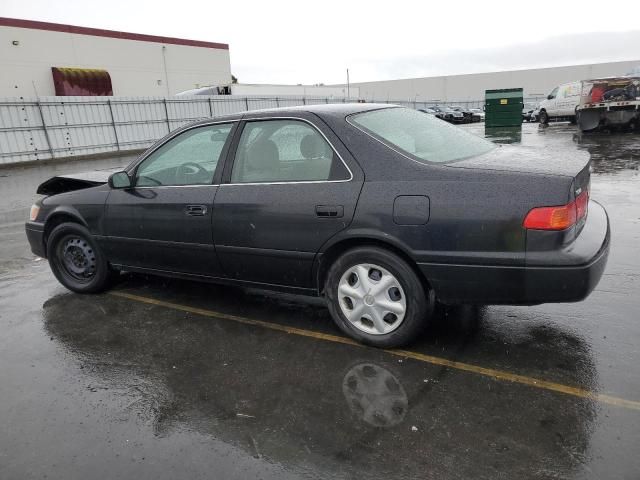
(188, 159)
(424, 138)
(285, 151)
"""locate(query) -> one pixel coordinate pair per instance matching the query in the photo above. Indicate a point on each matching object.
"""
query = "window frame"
(231, 154)
(133, 171)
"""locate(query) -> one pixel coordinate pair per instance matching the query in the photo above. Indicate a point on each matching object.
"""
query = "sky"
(308, 42)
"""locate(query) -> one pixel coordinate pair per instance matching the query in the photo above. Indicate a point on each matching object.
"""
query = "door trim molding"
(267, 252)
(168, 243)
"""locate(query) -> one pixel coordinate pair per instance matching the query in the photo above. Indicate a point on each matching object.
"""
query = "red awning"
(81, 81)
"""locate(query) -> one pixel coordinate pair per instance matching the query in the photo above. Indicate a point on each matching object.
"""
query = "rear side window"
(285, 151)
(424, 138)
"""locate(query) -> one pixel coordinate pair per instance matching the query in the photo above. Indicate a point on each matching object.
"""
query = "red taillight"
(558, 218)
(582, 203)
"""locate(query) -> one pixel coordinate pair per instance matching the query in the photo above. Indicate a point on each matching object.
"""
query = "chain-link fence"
(61, 127)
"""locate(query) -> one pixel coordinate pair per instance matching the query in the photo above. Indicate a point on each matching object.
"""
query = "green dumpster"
(503, 107)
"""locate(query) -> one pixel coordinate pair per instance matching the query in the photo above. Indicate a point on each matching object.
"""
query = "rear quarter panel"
(475, 215)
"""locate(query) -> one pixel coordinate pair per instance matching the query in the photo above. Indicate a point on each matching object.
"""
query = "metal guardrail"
(59, 127)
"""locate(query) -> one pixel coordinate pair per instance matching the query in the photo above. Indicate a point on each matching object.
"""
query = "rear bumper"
(35, 236)
(572, 275)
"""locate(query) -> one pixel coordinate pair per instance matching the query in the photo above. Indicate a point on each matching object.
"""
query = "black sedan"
(382, 210)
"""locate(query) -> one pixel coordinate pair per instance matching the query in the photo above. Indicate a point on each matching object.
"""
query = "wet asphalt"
(105, 386)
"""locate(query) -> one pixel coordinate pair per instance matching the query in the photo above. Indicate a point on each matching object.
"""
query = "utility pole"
(348, 86)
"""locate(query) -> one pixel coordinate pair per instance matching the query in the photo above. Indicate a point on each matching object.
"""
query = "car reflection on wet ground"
(169, 379)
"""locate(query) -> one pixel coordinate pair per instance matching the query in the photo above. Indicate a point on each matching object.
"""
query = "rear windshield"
(423, 137)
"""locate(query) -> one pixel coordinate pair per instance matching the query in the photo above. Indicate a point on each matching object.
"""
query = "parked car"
(477, 114)
(561, 104)
(448, 114)
(380, 209)
(535, 115)
(528, 110)
(467, 113)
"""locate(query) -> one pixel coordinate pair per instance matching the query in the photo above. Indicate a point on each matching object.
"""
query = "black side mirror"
(550, 97)
(120, 180)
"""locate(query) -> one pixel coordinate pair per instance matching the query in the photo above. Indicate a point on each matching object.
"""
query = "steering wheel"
(191, 169)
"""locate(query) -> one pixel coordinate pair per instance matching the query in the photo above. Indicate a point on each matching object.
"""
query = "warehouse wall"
(536, 82)
(300, 90)
(136, 67)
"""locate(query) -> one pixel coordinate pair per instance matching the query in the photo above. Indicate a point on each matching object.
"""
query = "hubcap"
(372, 299)
(375, 395)
(78, 258)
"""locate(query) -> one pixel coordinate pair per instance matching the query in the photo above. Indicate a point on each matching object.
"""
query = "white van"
(561, 103)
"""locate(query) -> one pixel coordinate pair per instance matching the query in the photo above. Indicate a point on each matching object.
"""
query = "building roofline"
(513, 70)
(98, 32)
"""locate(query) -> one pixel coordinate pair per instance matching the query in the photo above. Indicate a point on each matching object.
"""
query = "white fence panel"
(22, 137)
(33, 129)
(224, 106)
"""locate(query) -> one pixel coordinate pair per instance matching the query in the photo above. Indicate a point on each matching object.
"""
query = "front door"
(287, 192)
(552, 103)
(164, 222)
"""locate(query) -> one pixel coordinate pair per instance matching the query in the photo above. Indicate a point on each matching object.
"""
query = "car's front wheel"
(375, 297)
(543, 117)
(77, 260)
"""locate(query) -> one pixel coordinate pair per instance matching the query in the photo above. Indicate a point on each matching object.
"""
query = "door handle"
(196, 210)
(330, 211)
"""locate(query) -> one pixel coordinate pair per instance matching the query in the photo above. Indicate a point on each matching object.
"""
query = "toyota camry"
(381, 210)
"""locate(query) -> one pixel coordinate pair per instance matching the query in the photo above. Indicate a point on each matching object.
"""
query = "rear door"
(289, 186)
(164, 222)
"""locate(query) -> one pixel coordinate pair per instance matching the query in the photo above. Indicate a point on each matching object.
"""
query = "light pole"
(348, 86)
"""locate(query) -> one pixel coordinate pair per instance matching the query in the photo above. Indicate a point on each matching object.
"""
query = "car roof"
(331, 109)
(322, 110)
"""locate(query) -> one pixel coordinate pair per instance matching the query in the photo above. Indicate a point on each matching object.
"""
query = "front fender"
(65, 211)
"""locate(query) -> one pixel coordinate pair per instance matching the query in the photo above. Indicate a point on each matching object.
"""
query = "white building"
(455, 88)
(272, 90)
(137, 64)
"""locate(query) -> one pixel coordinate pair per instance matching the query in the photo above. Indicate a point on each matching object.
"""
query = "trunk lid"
(528, 160)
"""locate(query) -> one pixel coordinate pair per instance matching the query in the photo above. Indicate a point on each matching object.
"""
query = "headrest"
(312, 146)
(263, 156)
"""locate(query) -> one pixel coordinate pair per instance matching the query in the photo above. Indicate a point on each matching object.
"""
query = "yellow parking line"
(466, 367)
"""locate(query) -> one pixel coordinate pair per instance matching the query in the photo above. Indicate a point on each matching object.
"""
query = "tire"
(84, 268)
(347, 292)
(543, 118)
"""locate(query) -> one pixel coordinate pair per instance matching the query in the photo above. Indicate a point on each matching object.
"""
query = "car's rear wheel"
(375, 297)
(76, 259)
(543, 117)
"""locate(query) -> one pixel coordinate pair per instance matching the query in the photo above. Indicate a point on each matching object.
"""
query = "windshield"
(424, 138)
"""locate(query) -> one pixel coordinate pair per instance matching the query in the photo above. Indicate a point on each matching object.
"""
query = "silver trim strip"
(175, 186)
(333, 148)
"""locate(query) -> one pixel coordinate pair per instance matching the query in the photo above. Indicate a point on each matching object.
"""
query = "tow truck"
(611, 103)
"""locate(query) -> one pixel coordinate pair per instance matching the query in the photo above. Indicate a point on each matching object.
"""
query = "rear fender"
(352, 238)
